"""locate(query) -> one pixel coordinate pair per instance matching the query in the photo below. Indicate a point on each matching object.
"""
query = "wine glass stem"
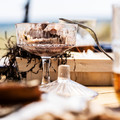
(45, 75)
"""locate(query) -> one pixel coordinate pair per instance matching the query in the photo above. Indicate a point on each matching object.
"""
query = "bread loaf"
(17, 93)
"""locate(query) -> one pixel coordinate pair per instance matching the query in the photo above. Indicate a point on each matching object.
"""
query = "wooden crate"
(91, 70)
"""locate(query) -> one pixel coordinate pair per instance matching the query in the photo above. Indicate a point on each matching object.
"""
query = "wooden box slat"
(87, 71)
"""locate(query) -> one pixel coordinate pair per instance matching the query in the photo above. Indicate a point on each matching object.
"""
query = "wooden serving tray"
(92, 69)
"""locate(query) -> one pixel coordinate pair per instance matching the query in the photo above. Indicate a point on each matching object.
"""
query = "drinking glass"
(116, 48)
(46, 40)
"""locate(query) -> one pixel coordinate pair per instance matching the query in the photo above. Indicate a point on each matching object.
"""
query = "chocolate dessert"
(45, 34)
(46, 39)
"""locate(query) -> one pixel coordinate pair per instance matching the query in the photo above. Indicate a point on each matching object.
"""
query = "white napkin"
(51, 103)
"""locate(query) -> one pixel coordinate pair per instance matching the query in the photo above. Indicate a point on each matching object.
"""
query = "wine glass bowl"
(46, 39)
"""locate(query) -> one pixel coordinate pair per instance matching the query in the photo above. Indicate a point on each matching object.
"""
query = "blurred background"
(17, 11)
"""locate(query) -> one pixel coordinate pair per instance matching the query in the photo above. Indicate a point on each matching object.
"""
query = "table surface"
(106, 96)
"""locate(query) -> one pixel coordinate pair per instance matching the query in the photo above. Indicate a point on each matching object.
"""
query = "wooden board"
(95, 70)
(106, 96)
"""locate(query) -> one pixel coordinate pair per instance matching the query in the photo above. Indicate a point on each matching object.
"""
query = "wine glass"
(47, 40)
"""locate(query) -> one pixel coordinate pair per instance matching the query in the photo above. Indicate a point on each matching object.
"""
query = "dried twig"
(92, 33)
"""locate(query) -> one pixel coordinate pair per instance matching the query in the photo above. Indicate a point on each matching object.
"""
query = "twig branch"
(92, 33)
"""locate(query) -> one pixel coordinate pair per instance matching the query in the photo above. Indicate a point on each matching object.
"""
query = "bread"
(17, 93)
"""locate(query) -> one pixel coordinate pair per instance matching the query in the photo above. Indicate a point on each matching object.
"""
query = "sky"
(12, 11)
